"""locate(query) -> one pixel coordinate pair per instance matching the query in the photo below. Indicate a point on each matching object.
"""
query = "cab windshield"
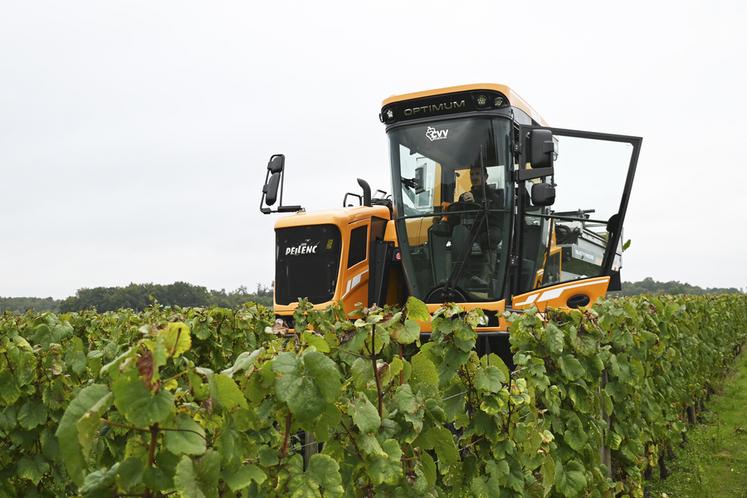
(453, 191)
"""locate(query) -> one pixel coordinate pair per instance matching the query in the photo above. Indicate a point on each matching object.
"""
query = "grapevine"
(208, 402)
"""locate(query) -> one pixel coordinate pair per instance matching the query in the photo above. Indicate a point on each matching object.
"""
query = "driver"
(480, 190)
(490, 233)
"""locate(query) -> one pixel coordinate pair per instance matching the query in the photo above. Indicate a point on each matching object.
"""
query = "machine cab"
(475, 176)
(453, 194)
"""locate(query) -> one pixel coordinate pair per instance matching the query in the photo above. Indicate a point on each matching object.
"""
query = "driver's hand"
(467, 197)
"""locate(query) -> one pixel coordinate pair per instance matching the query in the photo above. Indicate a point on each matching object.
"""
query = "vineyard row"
(218, 402)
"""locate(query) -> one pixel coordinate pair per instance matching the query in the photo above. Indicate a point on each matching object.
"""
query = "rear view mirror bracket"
(521, 175)
(357, 197)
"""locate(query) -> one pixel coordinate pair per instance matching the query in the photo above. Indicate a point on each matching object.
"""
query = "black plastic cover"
(437, 105)
(307, 263)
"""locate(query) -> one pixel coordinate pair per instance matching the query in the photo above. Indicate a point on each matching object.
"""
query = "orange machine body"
(364, 258)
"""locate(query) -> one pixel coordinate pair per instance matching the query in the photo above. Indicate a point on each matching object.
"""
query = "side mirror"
(543, 194)
(271, 189)
(541, 149)
(419, 180)
(272, 183)
(276, 164)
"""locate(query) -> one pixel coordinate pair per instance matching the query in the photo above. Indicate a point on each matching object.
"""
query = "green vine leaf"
(226, 393)
(67, 431)
(490, 379)
(325, 472)
(32, 414)
(243, 477)
(138, 404)
(408, 333)
(571, 367)
(187, 438)
(130, 473)
(99, 481)
(90, 422)
(424, 371)
(415, 309)
(554, 339)
(325, 374)
(32, 468)
(316, 341)
(442, 441)
(570, 479)
(387, 468)
(198, 478)
(364, 414)
(244, 362)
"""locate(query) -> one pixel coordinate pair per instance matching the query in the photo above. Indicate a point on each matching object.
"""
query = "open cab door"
(570, 237)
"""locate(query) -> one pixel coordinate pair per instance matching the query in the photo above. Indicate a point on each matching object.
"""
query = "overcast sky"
(134, 135)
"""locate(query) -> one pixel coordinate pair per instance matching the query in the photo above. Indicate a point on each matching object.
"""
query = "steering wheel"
(463, 206)
(440, 294)
(456, 210)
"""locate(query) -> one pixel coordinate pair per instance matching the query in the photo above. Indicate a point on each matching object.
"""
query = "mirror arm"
(282, 183)
(350, 194)
(521, 175)
(289, 209)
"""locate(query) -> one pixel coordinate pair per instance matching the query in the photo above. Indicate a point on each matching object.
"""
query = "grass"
(713, 463)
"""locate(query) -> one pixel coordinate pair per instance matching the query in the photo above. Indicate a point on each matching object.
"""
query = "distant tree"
(23, 304)
(137, 297)
(650, 286)
(140, 296)
(183, 294)
(240, 296)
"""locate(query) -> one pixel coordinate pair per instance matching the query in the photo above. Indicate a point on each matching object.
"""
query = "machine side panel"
(571, 294)
(583, 292)
(353, 286)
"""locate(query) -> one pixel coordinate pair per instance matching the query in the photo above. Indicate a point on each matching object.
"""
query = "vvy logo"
(434, 134)
(301, 249)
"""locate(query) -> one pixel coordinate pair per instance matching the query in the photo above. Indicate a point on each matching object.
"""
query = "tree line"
(139, 296)
(650, 286)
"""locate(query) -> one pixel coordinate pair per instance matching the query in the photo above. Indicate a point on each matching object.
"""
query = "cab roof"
(513, 98)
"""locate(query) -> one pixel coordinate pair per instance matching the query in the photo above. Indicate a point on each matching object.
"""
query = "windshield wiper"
(456, 273)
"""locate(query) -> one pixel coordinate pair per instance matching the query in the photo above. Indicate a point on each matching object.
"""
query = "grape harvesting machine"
(490, 208)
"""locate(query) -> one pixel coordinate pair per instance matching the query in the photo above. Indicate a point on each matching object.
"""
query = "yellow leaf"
(176, 338)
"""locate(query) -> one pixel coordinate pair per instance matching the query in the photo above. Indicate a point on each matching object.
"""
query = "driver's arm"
(467, 197)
